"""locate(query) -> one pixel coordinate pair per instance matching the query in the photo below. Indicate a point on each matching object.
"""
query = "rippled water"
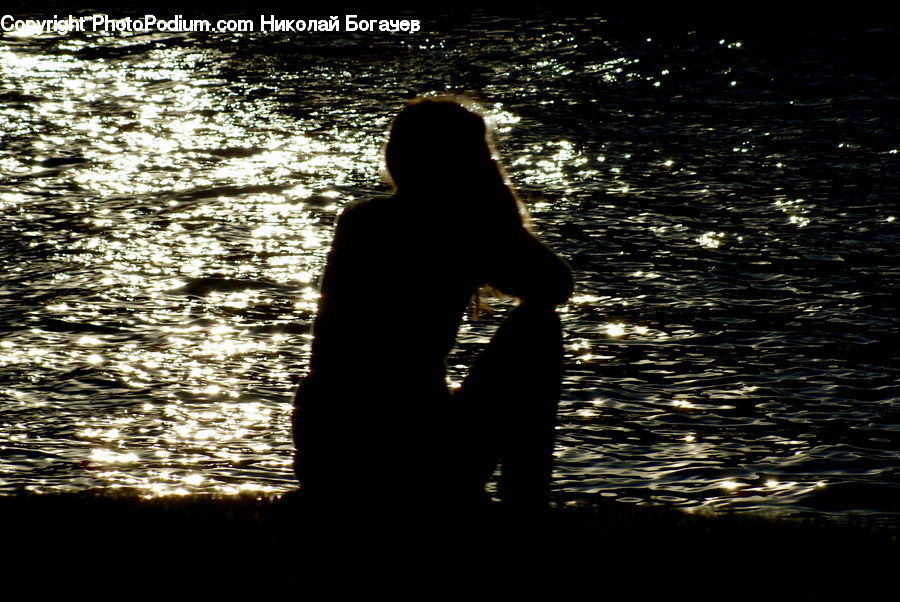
(728, 204)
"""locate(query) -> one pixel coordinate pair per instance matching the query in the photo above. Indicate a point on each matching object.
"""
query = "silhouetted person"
(374, 419)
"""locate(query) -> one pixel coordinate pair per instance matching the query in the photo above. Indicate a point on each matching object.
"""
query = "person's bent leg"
(512, 393)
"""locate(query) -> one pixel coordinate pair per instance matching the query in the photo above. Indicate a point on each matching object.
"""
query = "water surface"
(728, 203)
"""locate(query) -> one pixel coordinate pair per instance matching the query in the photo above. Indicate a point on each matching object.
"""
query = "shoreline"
(278, 545)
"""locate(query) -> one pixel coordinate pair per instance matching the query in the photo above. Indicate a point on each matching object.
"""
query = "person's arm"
(522, 266)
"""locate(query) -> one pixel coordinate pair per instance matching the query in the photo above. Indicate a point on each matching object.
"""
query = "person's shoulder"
(362, 208)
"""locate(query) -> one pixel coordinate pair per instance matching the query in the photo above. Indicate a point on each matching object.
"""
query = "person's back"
(397, 283)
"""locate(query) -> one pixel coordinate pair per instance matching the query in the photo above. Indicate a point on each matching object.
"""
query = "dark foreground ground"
(102, 545)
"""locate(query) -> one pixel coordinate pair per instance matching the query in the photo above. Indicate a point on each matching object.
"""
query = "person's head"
(440, 143)
(442, 147)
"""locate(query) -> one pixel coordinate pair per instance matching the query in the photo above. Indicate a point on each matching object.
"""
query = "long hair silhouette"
(444, 147)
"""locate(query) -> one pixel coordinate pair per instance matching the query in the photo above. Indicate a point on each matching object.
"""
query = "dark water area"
(726, 195)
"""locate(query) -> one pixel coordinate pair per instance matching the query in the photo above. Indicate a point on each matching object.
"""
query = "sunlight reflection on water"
(169, 201)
